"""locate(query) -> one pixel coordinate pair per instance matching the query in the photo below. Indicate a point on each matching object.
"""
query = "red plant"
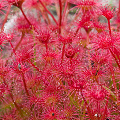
(60, 60)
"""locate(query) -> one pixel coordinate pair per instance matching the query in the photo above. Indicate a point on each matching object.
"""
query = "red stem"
(25, 16)
(46, 45)
(2, 28)
(98, 107)
(43, 16)
(117, 53)
(119, 7)
(63, 50)
(88, 108)
(11, 95)
(25, 86)
(48, 12)
(17, 107)
(35, 66)
(114, 83)
(18, 43)
(23, 34)
(71, 62)
(65, 9)
(60, 18)
(103, 118)
(76, 31)
(115, 57)
(12, 48)
(109, 27)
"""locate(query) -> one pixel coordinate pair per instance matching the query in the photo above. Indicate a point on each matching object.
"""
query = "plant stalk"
(25, 17)
(109, 27)
(5, 20)
(60, 17)
(48, 12)
(88, 108)
(25, 86)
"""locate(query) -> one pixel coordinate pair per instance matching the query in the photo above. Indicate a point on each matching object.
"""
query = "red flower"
(98, 93)
(65, 39)
(90, 6)
(17, 3)
(22, 25)
(43, 37)
(19, 68)
(2, 89)
(77, 84)
(50, 113)
(107, 11)
(31, 3)
(25, 54)
(3, 36)
(70, 52)
(104, 41)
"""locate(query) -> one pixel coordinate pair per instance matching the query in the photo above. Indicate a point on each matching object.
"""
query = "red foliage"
(58, 66)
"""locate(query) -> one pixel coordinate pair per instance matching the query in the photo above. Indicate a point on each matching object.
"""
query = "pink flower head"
(22, 25)
(69, 113)
(104, 40)
(2, 89)
(31, 3)
(50, 99)
(69, 52)
(47, 2)
(43, 36)
(86, 25)
(50, 113)
(65, 39)
(17, 3)
(98, 58)
(98, 93)
(36, 4)
(3, 36)
(25, 54)
(86, 5)
(3, 71)
(99, 26)
(77, 84)
(108, 12)
(19, 68)
(49, 56)
(66, 71)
